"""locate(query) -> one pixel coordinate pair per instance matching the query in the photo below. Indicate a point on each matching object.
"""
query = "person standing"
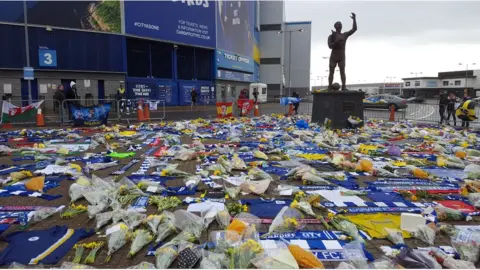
(452, 100)
(255, 96)
(72, 98)
(58, 97)
(297, 103)
(121, 98)
(193, 97)
(466, 97)
(442, 107)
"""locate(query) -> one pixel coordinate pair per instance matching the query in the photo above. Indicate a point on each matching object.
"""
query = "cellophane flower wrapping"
(167, 227)
(260, 155)
(425, 233)
(303, 206)
(192, 181)
(143, 265)
(224, 240)
(103, 219)
(223, 160)
(258, 174)
(223, 218)
(76, 191)
(446, 213)
(43, 213)
(164, 256)
(71, 265)
(212, 260)
(241, 256)
(287, 220)
(116, 240)
(133, 218)
(152, 222)
(309, 178)
(467, 244)
(395, 236)
(238, 163)
(347, 227)
(141, 238)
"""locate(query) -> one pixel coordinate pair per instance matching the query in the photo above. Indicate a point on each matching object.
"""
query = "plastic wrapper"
(42, 214)
(345, 265)
(445, 213)
(171, 170)
(152, 222)
(260, 155)
(5, 150)
(35, 184)
(164, 256)
(133, 218)
(224, 240)
(103, 219)
(140, 239)
(380, 172)
(383, 263)
(241, 256)
(395, 236)
(101, 166)
(347, 227)
(473, 171)
(185, 154)
(258, 174)
(256, 187)
(211, 260)
(467, 244)
(105, 184)
(128, 187)
(355, 255)
(216, 168)
(238, 163)
(303, 206)
(417, 172)
(83, 181)
(416, 259)
(185, 220)
(278, 258)
(285, 221)
(223, 160)
(425, 233)
(451, 263)
(192, 181)
(117, 239)
(164, 203)
(473, 152)
(165, 229)
(143, 265)
(311, 179)
(474, 198)
(223, 218)
(232, 191)
(70, 265)
(17, 176)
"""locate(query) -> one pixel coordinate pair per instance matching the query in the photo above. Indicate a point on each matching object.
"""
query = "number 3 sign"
(47, 58)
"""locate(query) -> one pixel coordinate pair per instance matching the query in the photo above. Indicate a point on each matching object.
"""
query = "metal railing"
(127, 109)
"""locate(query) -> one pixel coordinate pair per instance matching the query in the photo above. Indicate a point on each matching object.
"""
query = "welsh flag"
(12, 113)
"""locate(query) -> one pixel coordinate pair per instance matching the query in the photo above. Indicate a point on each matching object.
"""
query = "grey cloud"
(405, 22)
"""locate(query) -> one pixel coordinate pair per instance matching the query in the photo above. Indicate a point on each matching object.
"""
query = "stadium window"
(203, 64)
(457, 83)
(162, 60)
(445, 83)
(185, 63)
(138, 58)
(407, 84)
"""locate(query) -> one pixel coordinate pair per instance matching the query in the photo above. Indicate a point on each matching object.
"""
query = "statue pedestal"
(337, 106)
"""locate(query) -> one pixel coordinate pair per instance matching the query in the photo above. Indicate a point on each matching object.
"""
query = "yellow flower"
(413, 198)
(330, 215)
(164, 172)
(464, 191)
(217, 172)
(245, 208)
(294, 204)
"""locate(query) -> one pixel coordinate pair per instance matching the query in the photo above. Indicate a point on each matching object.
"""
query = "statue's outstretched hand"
(353, 16)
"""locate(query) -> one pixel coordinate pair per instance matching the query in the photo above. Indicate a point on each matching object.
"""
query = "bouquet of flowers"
(79, 249)
(76, 191)
(152, 222)
(235, 208)
(425, 233)
(73, 210)
(260, 155)
(164, 256)
(312, 179)
(192, 181)
(223, 218)
(278, 258)
(164, 203)
(171, 170)
(223, 160)
(167, 227)
(445, 213)
(95, 246)
(238, 163)
(241, 256)
(117, 239)
(140, 239)
(258, 174)
(285, 221)
(347, 227)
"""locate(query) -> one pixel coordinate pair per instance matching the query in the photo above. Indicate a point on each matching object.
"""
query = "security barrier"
(128, 109)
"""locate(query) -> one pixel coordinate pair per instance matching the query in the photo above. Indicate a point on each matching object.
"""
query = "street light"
(466, 72)
(290, 55)
(415, 82)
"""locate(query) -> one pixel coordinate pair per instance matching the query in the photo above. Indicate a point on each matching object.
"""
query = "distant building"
(451, 82)
(393, 88)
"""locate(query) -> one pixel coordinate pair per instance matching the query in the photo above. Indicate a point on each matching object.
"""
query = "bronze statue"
(337, 41)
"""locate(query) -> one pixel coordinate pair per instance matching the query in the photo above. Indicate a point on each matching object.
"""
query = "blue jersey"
(42, 246)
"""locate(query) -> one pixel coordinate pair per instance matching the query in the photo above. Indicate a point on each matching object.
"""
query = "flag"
(224, 109)
(12, 113)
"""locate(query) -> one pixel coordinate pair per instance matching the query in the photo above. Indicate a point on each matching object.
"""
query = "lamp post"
(290, 55)
(466, 73)
(415, 82)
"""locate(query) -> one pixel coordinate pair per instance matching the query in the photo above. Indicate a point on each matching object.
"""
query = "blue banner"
(234, 76)
(189, 22)
(142, 90)
(235, 61)
(90, 116)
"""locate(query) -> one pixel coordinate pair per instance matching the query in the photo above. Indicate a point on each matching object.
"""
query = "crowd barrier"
(128, 109)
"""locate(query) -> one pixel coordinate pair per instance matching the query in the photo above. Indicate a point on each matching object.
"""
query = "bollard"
(290, 109)
(392, 113)
(256, 113)
(140, 116)
(146, 111)
(40, 119)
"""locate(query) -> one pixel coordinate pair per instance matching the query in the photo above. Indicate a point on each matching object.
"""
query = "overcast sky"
(393, 38)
